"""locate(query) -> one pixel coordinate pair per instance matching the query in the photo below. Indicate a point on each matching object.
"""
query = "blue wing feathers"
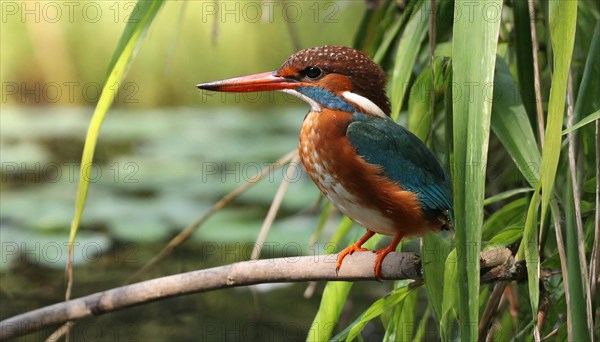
(404, 158)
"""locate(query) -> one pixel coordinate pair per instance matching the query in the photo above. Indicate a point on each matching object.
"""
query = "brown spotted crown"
(366, 77)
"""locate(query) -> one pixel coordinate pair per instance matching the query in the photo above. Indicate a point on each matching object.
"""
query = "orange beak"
(266, 81)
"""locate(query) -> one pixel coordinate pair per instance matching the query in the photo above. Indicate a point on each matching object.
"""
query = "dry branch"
(356, 267)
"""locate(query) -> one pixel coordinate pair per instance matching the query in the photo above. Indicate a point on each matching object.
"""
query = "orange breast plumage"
(328, 158)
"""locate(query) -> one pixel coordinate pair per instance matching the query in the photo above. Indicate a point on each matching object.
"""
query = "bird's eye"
(312, 72)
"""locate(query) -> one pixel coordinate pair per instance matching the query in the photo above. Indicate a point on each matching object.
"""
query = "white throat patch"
(315, 106)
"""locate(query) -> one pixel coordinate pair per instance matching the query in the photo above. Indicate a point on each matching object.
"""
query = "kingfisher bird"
(369, 167)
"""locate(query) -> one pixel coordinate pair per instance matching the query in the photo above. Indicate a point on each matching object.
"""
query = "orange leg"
(353, 248)
(381, 253)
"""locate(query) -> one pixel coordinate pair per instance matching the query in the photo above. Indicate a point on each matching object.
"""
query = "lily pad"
(49, 249)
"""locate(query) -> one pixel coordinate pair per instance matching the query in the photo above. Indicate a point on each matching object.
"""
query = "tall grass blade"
(577, 282)
(507, 217)
(406, 325)
(563, 17)
(562, 22)
(375, 310)
(363, 38)
(587, 100)
(334, 298)
(529, 251)
(524, 52)
(574, 224)
(595, 257)
(434, 252)
(375, 31)
(408, 50)
(511, 125)
(588, 119)
(450, 296)
(400, 321)
(422, 327)
(391, 33)
(560, 243)
(506, 195)
(334, 295)
(419, 105)
(131, 39)
(473, 69)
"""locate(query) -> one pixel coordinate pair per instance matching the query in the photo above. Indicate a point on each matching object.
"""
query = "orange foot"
(353, 248)
(381, 253)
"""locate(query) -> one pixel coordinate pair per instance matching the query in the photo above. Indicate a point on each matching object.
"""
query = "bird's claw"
(381, 254)
(348, 250)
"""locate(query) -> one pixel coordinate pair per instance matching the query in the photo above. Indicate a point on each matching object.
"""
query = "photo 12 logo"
(22, 172)
(269, 11)
(247, 172)
(69, 11)
(69, 92)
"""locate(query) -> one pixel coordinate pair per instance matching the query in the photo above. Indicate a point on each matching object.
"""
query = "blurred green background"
(166, 153)
(189, 42)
